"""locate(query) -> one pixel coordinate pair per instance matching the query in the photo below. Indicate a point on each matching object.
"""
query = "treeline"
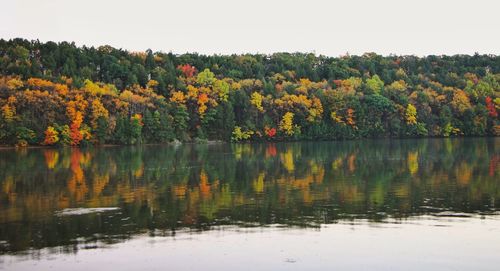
(58, 93)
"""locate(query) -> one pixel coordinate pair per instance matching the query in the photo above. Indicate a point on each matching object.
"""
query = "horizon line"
(346, 54)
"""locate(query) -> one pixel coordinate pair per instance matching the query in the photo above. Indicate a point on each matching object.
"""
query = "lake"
(426, 204)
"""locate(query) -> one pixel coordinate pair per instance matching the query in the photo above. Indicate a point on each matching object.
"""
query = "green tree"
(375, 84)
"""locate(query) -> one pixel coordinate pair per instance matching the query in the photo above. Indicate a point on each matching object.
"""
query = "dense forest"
(62, 94)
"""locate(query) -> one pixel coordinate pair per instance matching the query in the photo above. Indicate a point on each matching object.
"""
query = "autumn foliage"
(492, 111)
(187, 70)
(270, 132)
(121, 97)
(51, 136)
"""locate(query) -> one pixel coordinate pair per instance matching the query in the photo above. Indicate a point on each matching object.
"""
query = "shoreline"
(215, 142)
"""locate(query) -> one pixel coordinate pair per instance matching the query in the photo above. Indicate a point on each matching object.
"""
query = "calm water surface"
(430, 204)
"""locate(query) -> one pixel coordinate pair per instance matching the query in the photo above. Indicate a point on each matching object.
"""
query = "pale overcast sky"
(419, 27)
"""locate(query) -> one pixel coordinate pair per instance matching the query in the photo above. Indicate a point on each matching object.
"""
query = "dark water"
(60, 204)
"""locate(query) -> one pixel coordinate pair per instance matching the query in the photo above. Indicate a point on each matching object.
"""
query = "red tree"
(187, 70)
(492, 111)
(270, 132)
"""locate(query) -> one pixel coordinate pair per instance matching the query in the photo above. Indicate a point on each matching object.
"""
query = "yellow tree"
(9, 109)
(315, 110)
(460, 101)
(221, 88)
(178, 97)
(411, 115)
(256, 100)
(98, 111)
(15, 83)
(51, 136)
(286, 124)
(239, 134)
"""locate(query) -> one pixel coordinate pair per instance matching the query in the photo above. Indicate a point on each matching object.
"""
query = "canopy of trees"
(61, 94)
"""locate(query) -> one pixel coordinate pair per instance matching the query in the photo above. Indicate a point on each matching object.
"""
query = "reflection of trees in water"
(162, 187)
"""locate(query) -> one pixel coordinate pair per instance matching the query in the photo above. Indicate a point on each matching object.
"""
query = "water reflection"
(160, 190)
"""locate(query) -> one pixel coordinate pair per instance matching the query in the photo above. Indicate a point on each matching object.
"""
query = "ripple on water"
(84, 211)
